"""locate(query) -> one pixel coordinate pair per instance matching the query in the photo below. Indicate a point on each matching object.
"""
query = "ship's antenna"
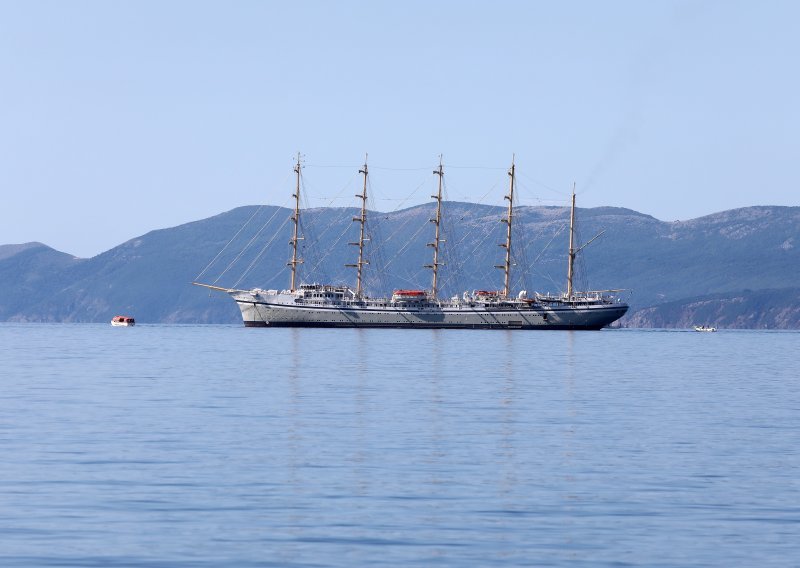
(572, 251)
(437, 236)
(296, 219)
(362, 219)
(506, 266)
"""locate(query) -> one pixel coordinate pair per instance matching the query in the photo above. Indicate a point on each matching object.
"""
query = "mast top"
(439, 171)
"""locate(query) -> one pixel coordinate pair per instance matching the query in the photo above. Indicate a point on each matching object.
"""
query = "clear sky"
(117, 118)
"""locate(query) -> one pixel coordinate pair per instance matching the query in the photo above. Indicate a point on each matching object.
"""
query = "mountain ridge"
(663, 262)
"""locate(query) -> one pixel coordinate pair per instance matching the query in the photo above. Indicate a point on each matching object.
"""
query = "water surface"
(199, 446)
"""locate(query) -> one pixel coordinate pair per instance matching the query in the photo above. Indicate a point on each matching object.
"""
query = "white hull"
(282, 309)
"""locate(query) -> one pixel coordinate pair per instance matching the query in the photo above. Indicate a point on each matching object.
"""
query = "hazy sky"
(117, 118)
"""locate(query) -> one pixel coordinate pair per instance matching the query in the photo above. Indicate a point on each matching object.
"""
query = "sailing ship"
(324, 305)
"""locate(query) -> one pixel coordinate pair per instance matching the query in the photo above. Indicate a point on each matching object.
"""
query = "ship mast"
(506, 266)
(296, 219)
(362, 219)
(437, 236)
(572, 251)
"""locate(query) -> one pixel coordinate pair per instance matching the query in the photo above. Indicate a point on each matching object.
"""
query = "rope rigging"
(235, 236)
(242, 228)
(381, 258)
(257, 258)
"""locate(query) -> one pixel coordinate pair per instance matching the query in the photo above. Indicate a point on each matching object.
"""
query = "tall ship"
(327, 305)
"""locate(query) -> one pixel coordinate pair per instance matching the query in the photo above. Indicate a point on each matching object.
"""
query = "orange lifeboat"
(409, 293)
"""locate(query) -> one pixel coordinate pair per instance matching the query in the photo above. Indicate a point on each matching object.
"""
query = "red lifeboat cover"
(409, 292)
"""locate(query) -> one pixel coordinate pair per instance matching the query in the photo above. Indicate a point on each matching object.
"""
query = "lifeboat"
(119, 321)
(409, 295)
(489, 293)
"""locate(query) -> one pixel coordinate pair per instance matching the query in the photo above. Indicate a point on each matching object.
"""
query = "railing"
(584, 296)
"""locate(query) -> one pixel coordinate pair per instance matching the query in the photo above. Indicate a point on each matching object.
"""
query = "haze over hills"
(733, 269)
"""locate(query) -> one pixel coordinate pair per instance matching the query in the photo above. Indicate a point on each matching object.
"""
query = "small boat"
(122, 321)
(704, 328)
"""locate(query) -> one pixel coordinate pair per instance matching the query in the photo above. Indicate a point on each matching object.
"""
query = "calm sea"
(200, 446)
